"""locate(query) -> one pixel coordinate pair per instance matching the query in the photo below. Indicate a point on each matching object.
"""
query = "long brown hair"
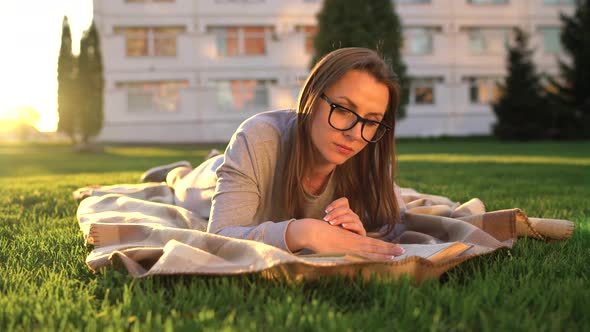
(365, 179)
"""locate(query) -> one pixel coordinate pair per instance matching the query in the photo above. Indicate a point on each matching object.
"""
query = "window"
(309, 33)
(558, 2)
(236, 41)
(551, 40)
(411, 2)
(488, 2)
(483, 90)
(418, 40)
(136, 40)
(153, 96)
(165, 41)
(488, 40)
(243, 95)
(150, 41)
(422, 92)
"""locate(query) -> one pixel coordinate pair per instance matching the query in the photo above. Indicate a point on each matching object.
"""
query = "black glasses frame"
(359, 118)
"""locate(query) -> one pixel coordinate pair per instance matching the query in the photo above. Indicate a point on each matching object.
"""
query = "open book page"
(335, 257)
(434, 252)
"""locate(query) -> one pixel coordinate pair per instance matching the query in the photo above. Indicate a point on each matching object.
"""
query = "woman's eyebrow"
(350, 102)
(353, 105)
(380, 115)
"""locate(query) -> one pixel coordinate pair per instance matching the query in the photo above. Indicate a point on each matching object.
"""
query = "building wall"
(199, 116)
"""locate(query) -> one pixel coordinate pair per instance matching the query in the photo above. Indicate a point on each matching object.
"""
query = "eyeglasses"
(343, 119)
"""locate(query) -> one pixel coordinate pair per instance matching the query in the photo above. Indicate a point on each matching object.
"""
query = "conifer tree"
(573, 97)
(66, 91)
(372, 24)
(90, 85)
(521, 112)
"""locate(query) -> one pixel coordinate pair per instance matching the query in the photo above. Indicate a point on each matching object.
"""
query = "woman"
(318, 178)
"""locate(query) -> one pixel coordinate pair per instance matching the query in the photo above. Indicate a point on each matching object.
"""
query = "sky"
(30, 31)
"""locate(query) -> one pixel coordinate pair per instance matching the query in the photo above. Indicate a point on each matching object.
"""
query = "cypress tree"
(521, 112)
(66, 89)
(91, 85)
(372, 24)
(573, 97)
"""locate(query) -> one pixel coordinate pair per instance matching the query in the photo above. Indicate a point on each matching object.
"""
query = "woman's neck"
(315, 180)
(319, 167)
(319, 172)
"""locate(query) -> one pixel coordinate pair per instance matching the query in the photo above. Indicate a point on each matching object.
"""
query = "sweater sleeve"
(237, 196)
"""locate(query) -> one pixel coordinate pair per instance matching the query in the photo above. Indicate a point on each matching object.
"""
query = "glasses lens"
(342, 119)
(373, 131)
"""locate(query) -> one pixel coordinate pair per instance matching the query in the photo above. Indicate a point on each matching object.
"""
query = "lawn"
(45, 284)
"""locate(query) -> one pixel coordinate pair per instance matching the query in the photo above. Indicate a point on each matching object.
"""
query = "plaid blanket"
(137, 227)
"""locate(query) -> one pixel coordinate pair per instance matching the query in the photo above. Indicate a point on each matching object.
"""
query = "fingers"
(379, 247)
(347, 219)
(352, 238)
(356, 227)
(377, 257)
(336, 214)
(339, 213)
(340, 202)
(382, 255)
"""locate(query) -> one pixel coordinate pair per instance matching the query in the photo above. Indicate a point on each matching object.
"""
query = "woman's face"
(359, 92)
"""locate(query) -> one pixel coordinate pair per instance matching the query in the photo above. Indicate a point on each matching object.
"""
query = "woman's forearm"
(321, 237)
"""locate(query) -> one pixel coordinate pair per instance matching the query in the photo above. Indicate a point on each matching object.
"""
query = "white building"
(192, 70)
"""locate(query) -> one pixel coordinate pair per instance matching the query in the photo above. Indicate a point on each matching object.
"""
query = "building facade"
(193, 70)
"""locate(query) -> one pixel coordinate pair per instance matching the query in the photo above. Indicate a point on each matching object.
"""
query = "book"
(433, 252)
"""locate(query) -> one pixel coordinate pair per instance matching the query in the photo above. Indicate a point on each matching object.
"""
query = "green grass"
(45, 284)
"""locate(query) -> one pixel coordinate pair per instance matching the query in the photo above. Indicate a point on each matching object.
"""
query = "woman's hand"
(320, 237)
(339, 213)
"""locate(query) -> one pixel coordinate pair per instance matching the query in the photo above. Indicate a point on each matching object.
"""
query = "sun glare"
(29, 68)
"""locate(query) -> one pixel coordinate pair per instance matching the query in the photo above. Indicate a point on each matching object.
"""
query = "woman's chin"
(339, 160)
(336, 158)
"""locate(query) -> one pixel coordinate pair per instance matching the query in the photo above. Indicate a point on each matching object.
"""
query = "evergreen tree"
(66, 90)
(521, 112)
(573, 97)
(91, 85)
(372, 24)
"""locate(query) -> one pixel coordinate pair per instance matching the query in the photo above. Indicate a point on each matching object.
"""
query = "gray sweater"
(249, 181)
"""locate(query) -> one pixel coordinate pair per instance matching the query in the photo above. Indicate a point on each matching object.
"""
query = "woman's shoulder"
(267, 125)
(259, 141)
